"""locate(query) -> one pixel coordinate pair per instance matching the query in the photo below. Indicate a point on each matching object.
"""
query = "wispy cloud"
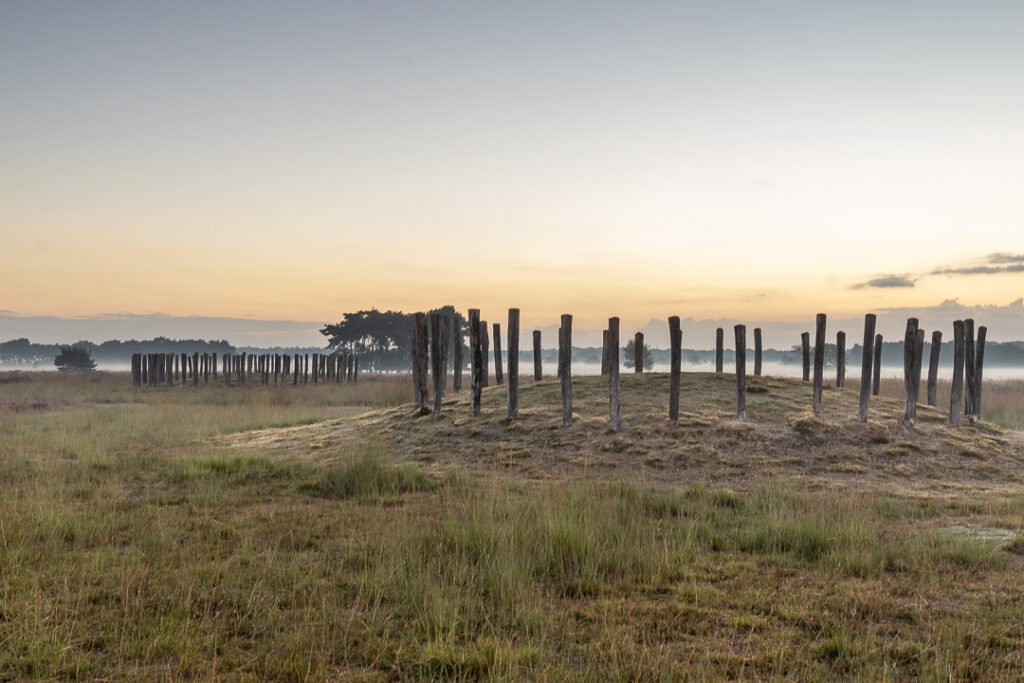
(886, 281)
(994, 264)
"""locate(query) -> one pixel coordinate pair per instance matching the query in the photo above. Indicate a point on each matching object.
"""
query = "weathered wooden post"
(184, 368)
(316, 368)
(840, 359)
(675, 336)
(477, 362)
(805, 347)
(719, 349)
(177, 370)
(757, 351)
(498, 378)
(144, 368)
(933, 367)
(614, 403)
(136, 371)
(485, 349)
(638, 353)
(513, 363)
(970, 366)
(909, 347)
(956, 393)
(305, 368)
(918, 360)
(436, 366)
(195, 369)
(605, 357)
(417, 397)
(446, 335)
(867, 353)
(206, 368)
(458, 363)
(419, 360)
(979, 362)
(564, 366)
(538, 368)
(741, 371)
(819, 364)
(877, 366)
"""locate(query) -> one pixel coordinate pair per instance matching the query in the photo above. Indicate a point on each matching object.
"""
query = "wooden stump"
(538, 366)
(979, 362)
(675, 335)
(477, 361)
(638, 353)
(840, 359)
(876, 367)
(436, 365)
(498, 376)
(970, 368)
(867, 355)
(819, 364)
(605, 358)
(933, 367)
(918, 360)
(757, 351)
(805, 348)
(956, 393)
(719, 349)
(420, 354)
(909, 348)
(614, 402)
(741, 371)
(485, 349)
(564, 366)
(513, 363)
(459, 362)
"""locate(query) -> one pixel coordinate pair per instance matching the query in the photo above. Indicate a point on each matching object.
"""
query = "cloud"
(886, 281)
(996, 264)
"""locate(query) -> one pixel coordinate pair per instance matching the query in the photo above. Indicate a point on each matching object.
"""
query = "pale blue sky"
(668, 158)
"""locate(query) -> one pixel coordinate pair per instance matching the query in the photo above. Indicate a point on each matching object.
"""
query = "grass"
(137, 543)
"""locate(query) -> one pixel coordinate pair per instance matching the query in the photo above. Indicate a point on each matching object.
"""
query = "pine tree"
(75, 359)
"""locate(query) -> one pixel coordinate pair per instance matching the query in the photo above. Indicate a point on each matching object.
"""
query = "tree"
(74, 359)
(630, 354)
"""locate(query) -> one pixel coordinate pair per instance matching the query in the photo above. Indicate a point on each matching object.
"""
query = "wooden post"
(564, 366)
(446, 335)
(177, 369)
(867, 354)
(195, 369)
(877, 366)
(741, 371)
(719, 349)
(805, 347)
(638, 353)
(350, 367)
(498, 379)
(918, 360)
(605, 357)
(956, 393)
(675, 336)
(757, 351)
(538, 369)
(458, 361)
(316, 368)
(136, 371)
(933, 367)
(355, 369)
(206, 368)
(979, 362)
(436, 368)
(970, 366)
(144, 368)
(513, 363)
(184, 368)
(614, 403)
(477, 362)
(485, 349)
(305, 368)
(419, 360)
(909, 346)
(840, 359)
(819, 364)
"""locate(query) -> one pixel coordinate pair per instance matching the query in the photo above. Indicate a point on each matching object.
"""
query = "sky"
(289, 162)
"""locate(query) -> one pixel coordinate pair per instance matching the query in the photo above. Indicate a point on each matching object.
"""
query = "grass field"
(327, 532)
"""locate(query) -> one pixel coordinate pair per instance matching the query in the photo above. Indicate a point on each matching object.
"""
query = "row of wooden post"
(968, 359)
(164, 369)
(967, 354)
